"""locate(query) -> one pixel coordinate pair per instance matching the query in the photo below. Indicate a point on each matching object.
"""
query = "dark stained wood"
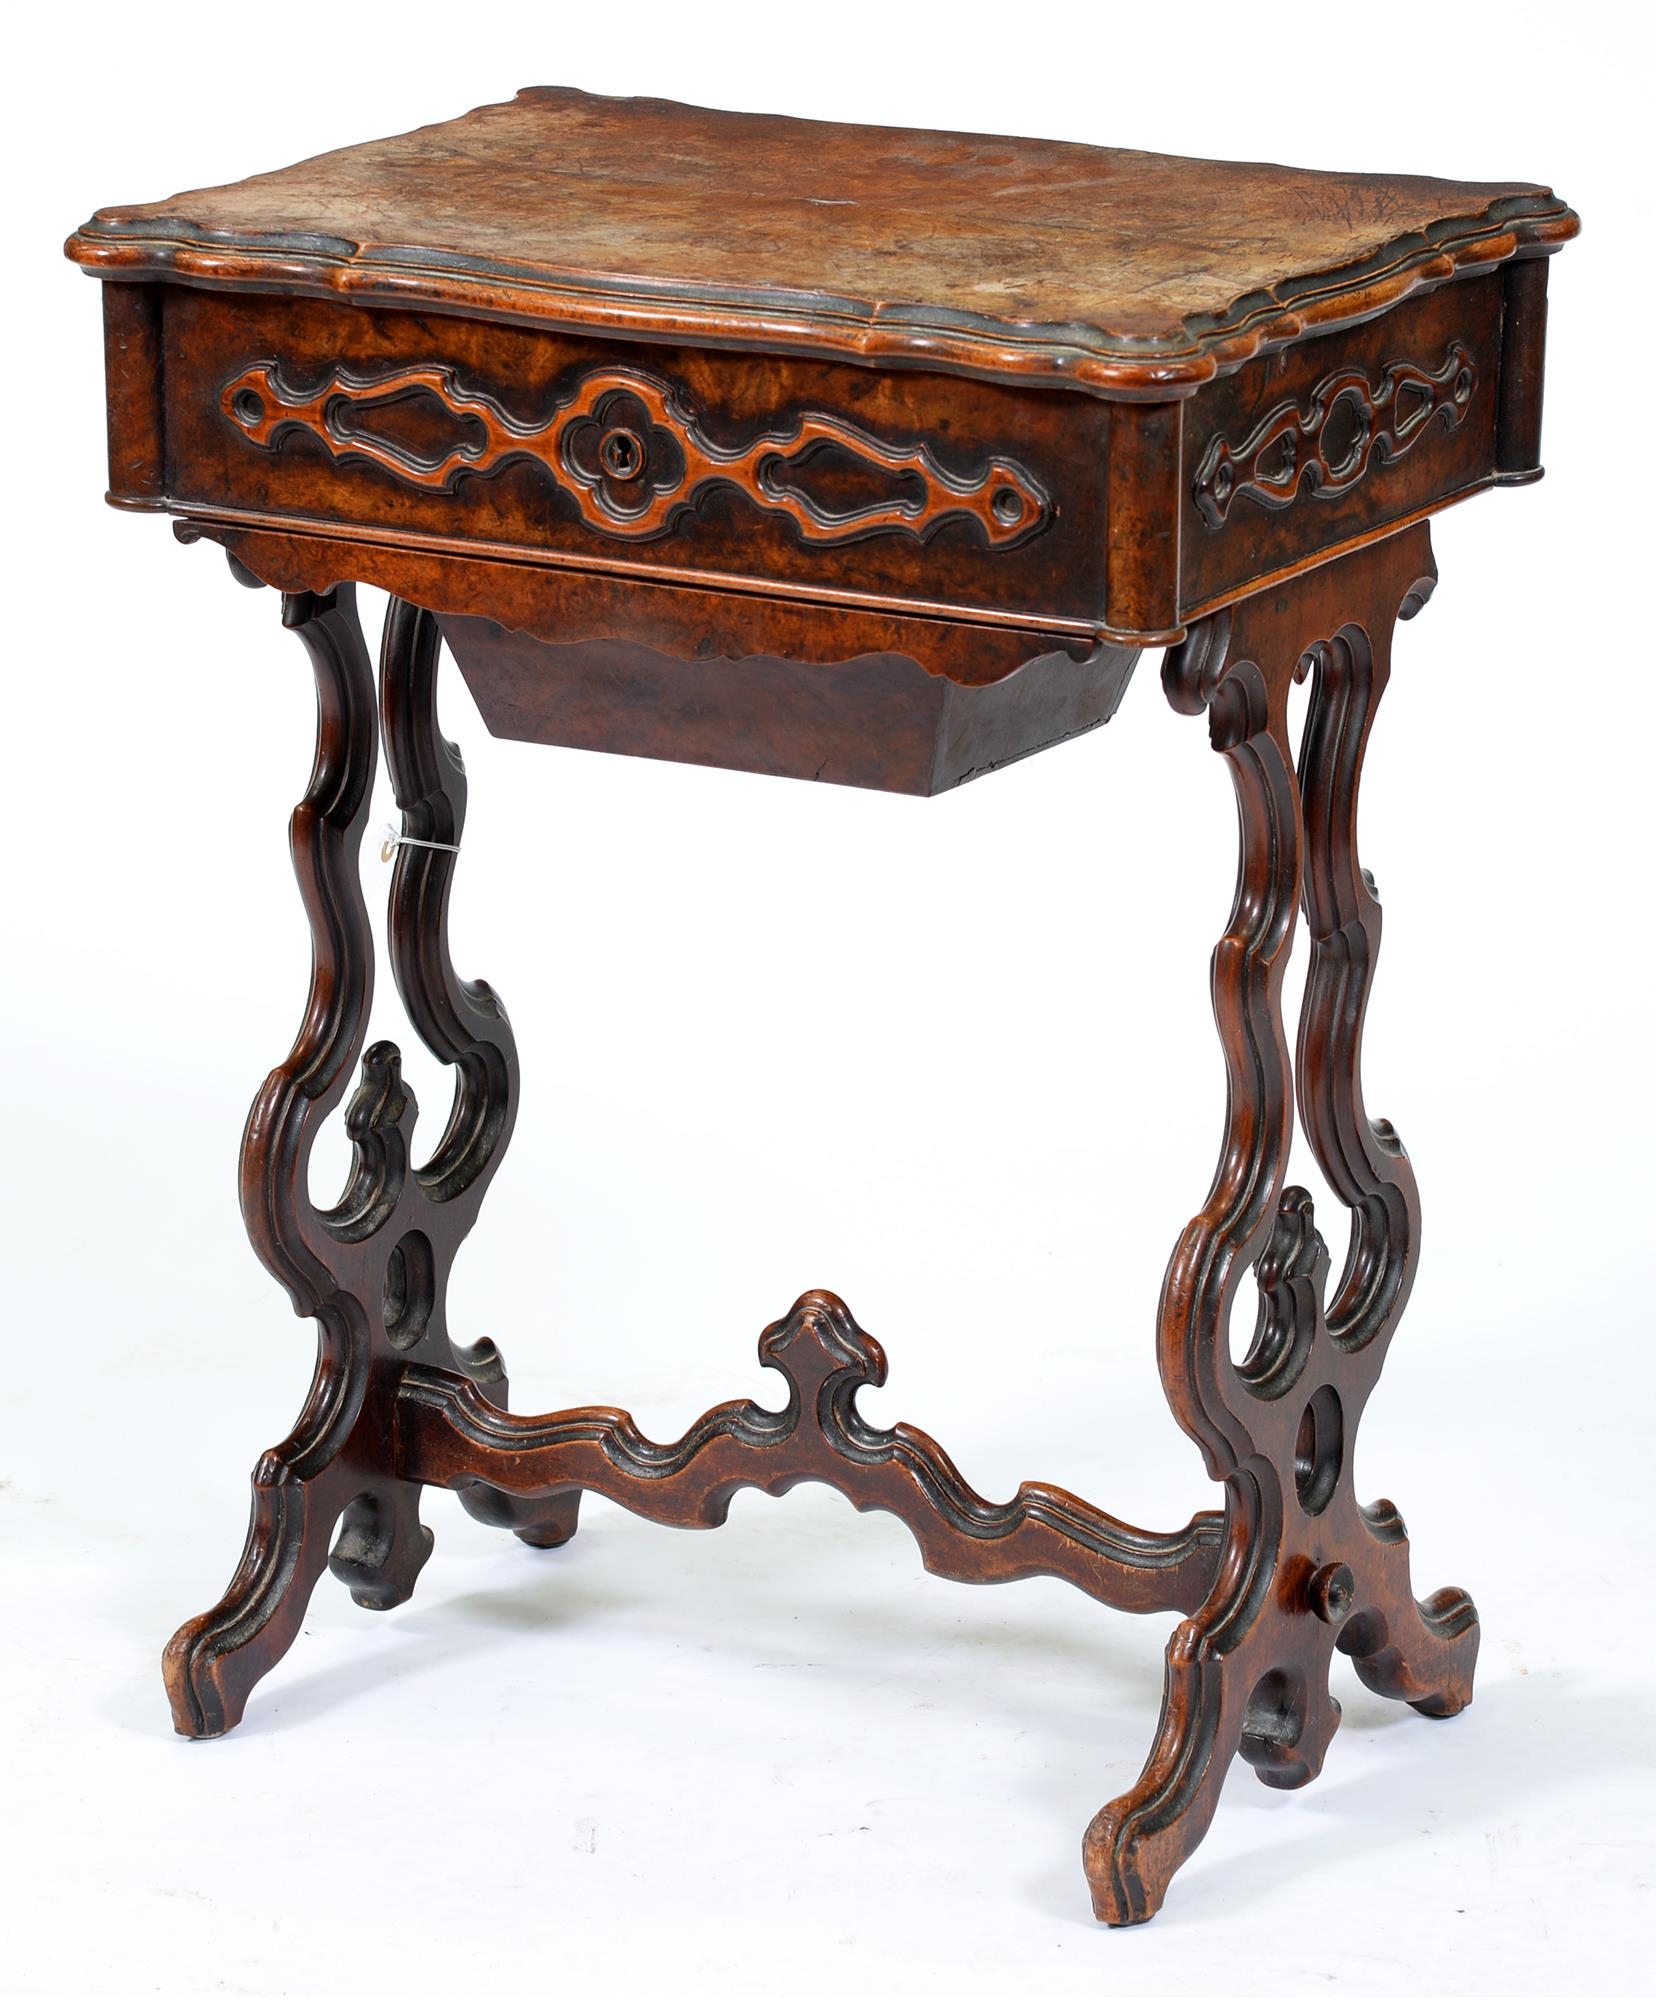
(565, 605)
(335, 1460)
(1144, 481)
(1307, 1567)
(371, 1270)
(879, 721)
(498, 388)
(1126, 272)
(1523, 368)
(632, 453)
(137, 406)
(835, 483)
(1314, 448)
(868, 457)
(457, 1438)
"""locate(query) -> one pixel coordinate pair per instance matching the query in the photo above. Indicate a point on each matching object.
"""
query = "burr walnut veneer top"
(1130, 274)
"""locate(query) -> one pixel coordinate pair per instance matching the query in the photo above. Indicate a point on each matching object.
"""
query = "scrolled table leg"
(372, 1269)
(1306, 1567)
(462, 1022)
(332, 1471)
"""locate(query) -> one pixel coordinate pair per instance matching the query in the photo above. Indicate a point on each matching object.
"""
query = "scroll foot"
(1264, 1695)
(212, 1663)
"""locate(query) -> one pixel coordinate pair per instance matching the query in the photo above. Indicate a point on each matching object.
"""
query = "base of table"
(1291, 1569)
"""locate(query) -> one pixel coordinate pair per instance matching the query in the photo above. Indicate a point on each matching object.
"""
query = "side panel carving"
(1318, 448)
(1349, 424)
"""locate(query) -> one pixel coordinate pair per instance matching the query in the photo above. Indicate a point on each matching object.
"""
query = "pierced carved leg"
(462, 1022)
(371, 1269)
(1305, 1567)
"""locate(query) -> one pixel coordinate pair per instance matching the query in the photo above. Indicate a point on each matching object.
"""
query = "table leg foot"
(371, 1539)
(1249, 1676)
(1307, 1569)
(381, 1547)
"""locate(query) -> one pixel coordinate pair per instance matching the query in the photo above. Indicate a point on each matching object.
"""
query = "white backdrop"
(952, 1059)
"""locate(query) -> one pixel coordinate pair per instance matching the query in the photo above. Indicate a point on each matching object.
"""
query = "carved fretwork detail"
(1293, 1570)
(372, 1269)
(1350, 424)
(630, 452)
(449, 1435)
(1307, 1569)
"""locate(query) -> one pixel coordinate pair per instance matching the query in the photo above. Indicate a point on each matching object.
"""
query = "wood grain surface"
(1126, 272)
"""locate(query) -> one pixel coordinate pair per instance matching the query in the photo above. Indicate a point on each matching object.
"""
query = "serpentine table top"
(1126, 273)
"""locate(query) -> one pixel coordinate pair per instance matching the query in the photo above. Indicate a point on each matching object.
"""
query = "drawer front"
(1303, 450)
(890, 485)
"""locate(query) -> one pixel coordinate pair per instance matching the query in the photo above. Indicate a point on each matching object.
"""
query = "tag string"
(391, 840)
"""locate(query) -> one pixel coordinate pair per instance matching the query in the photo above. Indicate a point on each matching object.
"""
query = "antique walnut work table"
(876, 457)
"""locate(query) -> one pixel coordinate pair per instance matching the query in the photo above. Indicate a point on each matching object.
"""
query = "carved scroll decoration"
(449, 1435)
(1350, 424)
(372, 1269)
(1296, 1567)
(633, 455)
(1308, 1569)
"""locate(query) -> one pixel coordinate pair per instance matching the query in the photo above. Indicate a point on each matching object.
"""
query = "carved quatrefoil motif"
(631, 453)
(622, 457)
(1349, 425)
